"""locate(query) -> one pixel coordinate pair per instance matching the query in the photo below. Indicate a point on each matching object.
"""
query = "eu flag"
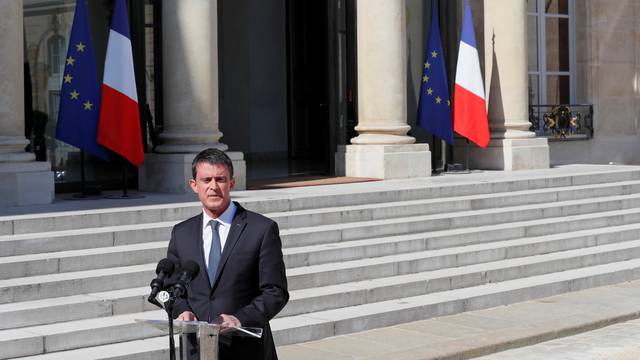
(80, 94)
(434, 109)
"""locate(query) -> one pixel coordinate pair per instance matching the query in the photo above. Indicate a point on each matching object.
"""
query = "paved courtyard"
(594, 324)
(616, 342)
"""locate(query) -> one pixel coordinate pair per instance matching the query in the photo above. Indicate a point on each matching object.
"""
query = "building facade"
(329, 87)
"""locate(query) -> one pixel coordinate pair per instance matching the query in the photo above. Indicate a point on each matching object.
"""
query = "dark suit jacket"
(250, 281)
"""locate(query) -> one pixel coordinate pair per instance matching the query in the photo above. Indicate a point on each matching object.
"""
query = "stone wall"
(607, 64)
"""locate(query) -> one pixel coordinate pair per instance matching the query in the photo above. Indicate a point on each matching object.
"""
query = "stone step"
(84, 238)
(40, 312)
(124, 329)
(397, 209)
(80, 260)
(468, 267)
(13, 245)
(539, 238)
(148, 349)
(143, 253)
(115, 302)
(77, 334)
(75, 283)
(446, 260)
(321, 324)
(74, 307)
(333, 197)
(96, 218)
(376, 247)
(465, 209)
(82, 282)
(336, 233)
(443, 187)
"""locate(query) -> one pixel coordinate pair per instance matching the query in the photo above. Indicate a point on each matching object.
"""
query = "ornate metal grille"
(562, 122)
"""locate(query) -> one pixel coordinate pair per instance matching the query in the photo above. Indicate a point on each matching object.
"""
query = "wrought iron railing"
(562, 122)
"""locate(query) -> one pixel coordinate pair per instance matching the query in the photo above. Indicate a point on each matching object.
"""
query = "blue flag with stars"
(80, 93)
(434, 108)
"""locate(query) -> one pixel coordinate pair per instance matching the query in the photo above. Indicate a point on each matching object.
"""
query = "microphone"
(163, 271)
(188, 271)
(162, 298)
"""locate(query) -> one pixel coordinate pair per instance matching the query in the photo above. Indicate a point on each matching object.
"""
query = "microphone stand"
(172, 345)
(168, 307)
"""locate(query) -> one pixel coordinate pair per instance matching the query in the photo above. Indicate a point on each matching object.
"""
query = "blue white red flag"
(469, 107)
(119, 128)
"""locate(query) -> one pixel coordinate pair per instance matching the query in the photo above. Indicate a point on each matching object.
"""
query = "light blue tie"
(214, 251)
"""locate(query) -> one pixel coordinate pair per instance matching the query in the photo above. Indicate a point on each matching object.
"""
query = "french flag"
(119, 127)
(469, 107)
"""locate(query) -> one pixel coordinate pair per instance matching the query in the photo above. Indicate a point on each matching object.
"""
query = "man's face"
(213, 184)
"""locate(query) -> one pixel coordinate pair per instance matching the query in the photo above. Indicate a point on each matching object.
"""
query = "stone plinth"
(506, 154)
(170, 173)
(384, 161)
(26, 183)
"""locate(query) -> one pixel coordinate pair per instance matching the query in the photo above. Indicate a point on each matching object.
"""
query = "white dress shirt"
(225, 220)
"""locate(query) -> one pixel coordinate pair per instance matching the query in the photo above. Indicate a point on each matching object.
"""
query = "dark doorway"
(317, 84)
(308, 91)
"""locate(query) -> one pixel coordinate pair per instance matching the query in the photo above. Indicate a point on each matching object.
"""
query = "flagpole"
(124, 178)
(466, 155)
(83, 191)
(125, 181)
(83, 195)
(433, 157)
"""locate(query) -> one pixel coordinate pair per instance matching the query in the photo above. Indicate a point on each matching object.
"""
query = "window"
(55, 49)
(551, 38)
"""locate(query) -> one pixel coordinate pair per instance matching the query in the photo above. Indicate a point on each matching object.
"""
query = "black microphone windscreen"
(165, 265)
(191, 268)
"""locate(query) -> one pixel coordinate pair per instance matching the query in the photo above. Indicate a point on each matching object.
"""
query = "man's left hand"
(230, 321)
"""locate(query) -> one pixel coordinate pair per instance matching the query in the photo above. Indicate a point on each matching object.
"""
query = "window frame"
(56, 42)
(542, 73)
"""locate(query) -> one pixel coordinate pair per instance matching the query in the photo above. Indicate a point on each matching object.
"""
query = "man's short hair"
(212, 157)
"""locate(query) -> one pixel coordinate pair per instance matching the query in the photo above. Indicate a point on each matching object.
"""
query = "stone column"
(512, 145)
(382, 148)
(24, 181)
(190, 96)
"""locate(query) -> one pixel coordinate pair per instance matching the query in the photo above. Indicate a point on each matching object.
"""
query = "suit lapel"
(200, 248)
(237, 227)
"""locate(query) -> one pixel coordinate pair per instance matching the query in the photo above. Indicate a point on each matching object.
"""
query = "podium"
(200, 338)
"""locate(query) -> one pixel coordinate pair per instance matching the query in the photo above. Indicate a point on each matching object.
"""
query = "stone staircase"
(72, 284)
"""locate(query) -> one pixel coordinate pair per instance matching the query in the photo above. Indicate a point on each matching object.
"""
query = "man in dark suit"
(242, 276)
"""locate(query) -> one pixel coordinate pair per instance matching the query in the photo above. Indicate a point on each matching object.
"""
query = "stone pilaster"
(512, 145)
(190, 97)
(382, 99)
(24, 181)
